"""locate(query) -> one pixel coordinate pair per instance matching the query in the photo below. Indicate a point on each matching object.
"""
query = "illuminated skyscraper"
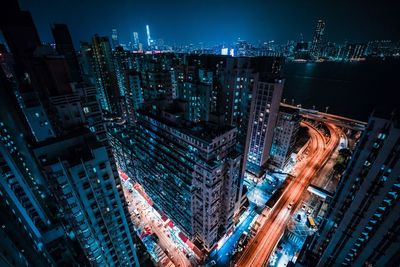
(148, 36)
(114, 38)
(135, 41)
(317, 39)
(262, 121)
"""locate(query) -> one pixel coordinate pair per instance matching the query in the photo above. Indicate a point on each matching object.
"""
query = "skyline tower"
(148, 36)
(135, 41)
(114, 38)
(317, 39)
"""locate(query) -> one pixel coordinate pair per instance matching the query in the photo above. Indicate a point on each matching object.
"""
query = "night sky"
(217, 21)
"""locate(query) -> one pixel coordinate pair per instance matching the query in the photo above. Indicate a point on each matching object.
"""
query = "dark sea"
(352, 89)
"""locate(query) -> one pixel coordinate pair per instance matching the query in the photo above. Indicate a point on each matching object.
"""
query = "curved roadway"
(263, 244)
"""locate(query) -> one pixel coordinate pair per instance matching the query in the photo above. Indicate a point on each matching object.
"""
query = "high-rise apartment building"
(182, 131)
(285, 134)
(64, 203)
(123, 62)
(317, 40)
(106, 82)
(31, 232)
(114, 38)
(362, 224)
(190, 170)
(262, 121)
(156, 78)
(65, 47)
(133, 96)
(83, 181)
(149, 40)
(196, 97)
(135, 41)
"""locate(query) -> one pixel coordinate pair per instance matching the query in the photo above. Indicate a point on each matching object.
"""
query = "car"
(242, 239)
(155, 237)
(298, 218)
(212, 263)
(290, 206)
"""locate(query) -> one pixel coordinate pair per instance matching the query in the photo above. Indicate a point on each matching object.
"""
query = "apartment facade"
(190, 170)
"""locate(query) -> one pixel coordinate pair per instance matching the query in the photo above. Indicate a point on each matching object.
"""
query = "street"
(148, 217)
(262, 245)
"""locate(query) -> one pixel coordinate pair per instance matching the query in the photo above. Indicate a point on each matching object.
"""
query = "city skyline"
(258, 20)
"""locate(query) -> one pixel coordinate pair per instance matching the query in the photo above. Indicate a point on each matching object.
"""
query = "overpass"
(330, 118)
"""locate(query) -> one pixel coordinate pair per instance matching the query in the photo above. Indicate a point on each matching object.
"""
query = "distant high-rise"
(114, 38)
(135, 41)
(149, 41)
(362, 224)
(317, 39)
(156, 78)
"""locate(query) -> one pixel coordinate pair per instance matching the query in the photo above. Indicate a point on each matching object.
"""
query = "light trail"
(262, 245)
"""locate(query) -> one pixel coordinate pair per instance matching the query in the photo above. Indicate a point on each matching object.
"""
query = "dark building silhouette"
(65, 47)
(53, 155)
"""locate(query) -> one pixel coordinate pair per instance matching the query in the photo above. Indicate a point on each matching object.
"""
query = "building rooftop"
(73, 148)
(204, 131)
